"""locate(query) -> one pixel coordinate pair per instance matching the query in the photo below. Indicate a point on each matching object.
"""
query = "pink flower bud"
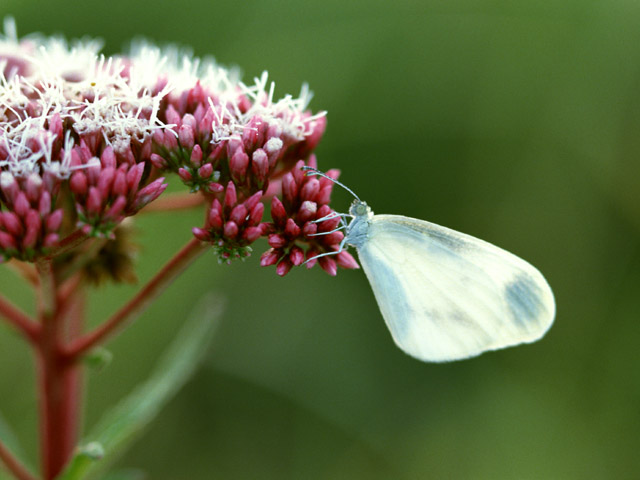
(230, 230)
(170, 140)
(44, 204)
(120, 186)
(186, 136)
(173, 117)
(253, 200)
(260, 165)
(310, 189)
(250, 134)
(54, 220)
(296, 255)
(291, 229)
(200, 234)
(105, 181)
(218, 151)
(277, 241)
(116, 209)
(94, 201)
(78, 183)
(215, 187)
(230, 198)
(21, 204)
(7, 242)
(307, 211)
(190, 121)
(12, 223)
(238, 214)
(328, 264)
(184, 174)
(278, 212)
(33, 220)
(273, 146)
(333, 238)
(108, 158)
(298, 174)
(33, 223)
(324, 195)
(251, 234)
(270, 257)
(289, 188)
(93, 169)
(239, 164)
(256, 214)
(232, 146)
(50, 240)
(33, 187)
(204, 127)
(283, 267)
(148, 194)
(206, 170)
(158, 162)
(309, 229)
(134, 175)
(196, 156)
(214, 219)
(8, 184)
(311, 257)
(345, 260)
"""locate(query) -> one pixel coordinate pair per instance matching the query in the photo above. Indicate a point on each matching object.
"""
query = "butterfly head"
(360, 209)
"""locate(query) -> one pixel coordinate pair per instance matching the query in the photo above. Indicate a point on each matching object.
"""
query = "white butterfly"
(446, 295)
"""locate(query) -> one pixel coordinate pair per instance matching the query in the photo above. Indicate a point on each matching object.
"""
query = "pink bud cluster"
(305, 200)
(208, 145)
(231, 226)
(107, 191)
(30, 223)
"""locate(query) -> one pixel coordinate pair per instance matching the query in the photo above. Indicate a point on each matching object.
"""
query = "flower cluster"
(86, 140)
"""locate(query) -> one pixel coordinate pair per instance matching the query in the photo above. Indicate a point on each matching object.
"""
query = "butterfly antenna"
(315, 171)
(326, 254)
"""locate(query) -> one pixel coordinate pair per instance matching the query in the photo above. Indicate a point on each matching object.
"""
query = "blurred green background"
(515, 121)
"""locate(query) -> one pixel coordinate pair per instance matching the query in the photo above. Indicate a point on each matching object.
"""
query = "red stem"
(174, 201)
(192, 250)
(14, 465)
(57, 402)
(69, 242)
(72, 380)
(19, 320)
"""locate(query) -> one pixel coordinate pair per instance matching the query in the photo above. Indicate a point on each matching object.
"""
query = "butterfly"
(445, 295)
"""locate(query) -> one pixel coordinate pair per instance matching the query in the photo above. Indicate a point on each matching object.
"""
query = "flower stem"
(174, 201)
(19, 320)
(13, 464)
(69, 242)
(191, 251)
(58, 379)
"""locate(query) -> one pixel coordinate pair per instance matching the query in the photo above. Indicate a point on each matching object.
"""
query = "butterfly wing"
(445, 295)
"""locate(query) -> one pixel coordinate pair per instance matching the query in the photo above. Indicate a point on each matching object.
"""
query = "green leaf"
(10, 441)
(84, 457)
(125, 475)
(9, 438)
(122, 425)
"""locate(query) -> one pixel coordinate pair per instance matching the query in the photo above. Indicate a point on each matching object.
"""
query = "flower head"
(86, 140)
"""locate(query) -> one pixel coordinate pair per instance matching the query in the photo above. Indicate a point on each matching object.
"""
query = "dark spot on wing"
(523, 298)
